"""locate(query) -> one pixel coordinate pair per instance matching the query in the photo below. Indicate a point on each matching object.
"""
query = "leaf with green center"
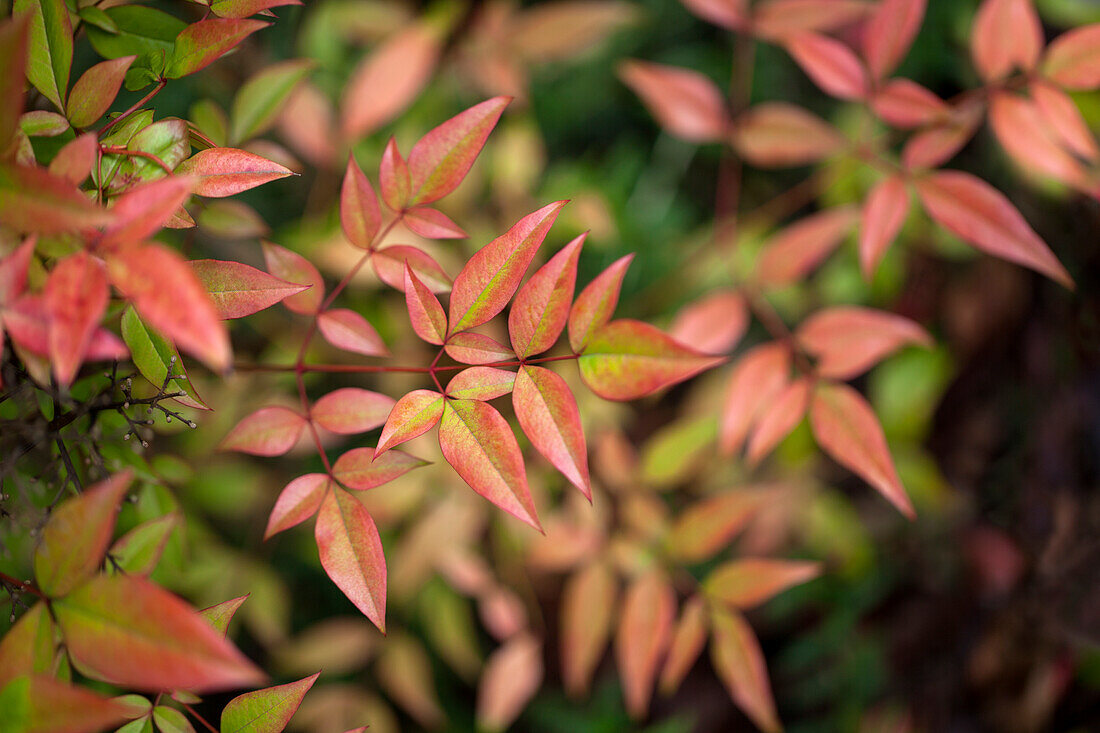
(360, 469)
(95, 91)
(644, 630)
(736, 656)
(170, 720)
(629, 359)
(688, 639)
(166, 140)
(38, 123)
(596, 303)
(238, 290)
(480, 383)
(541, 307)
(270, 431)
(76, 296)
(750, 581)
(393, 177)
(426, 314)
(360, 214)
(345, 329)
(491, 276)
(755, 382)
(389, 264)
(351, 554)
(478, 442)
(432, 223)
(351, 410)
(258, 103)
(138, 551)
(98, 18)
(134, 634)
(32, 200)
(76, 536)
(144, 210)
(142, 31)
(548, 414)
(476, 348)
(154, 356)
(204, 42)
(220, 614)
(292, 267)
(298, 501)
(38, 704)
(849, 340)
(441, 159)
(246, 8)
(51, 47)
(230, 219)
(414, 414)
(588, 614)
(227, 171)
(29, 646)
(13, 64)
(265, 711)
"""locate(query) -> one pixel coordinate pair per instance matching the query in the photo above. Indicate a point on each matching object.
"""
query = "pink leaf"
(293, 268)
(427, 316)
(905, 104)
(443, 157)
(204, 42)
(686, 104)
(478, 442)
(1062, 116)
(831, 64)
(587, 615)
(792, 253)
(729, 14)
(644, 630)
(351, 554)
(481, 383)
(594, 306)
(889, 33)
(884, 213)
(32, 200)
(755, 382)
(74, 162)
(13, 271)
(171, 299)
(779, 419)
(351, 410)
(688, 639)
(774, 19)
(476, 348)
(846, 428)
(227, 171)
(53, 706)
(432, 224)
(76, 299)
(713, 324)
(393, 177)
(298, 501)
(389, 79)
(490, 278)
(360, 214)
(265, 711)
(95, 91)
(748, 582)
(389, 263)
(1022, 131)
(143, 210)
(239, 290)
(935, 146)
(541, 307)
(708, 526)
(345, 329)
(548, 414)
(414, 414)
(848, 340)
(270, 431)
(360, 469)
(777, 134)
(981, 215)
(736, 656)
(1073, 59)
(511, 678)
(1006, 35)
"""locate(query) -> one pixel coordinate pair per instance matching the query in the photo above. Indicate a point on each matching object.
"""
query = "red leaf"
(481, 383)
(432, 224)
(292, 267)
(780, 18)
(831, 64)
(707, 526)
(1073, 59)
(511, 678)
(169, 297)
(442, 158)
(846, 428)
(884, 213)
(491, 276)
(239, 290)
(792, 253)
(981, 215)
(143, 210)
(713, 324)
(643, 633)
(1025, 136)
(414, 414)
(587, 615)
(307, 123)
(736, 656)
(226, 171)
(393, 177)
(32, 200)
(265, 711)
(136, 635)
(298, 501)
(688, 639)
(13, 271)
(53, 706)
(748, 582)
(246, 8)
(389, 264)
(629, 359)
(478, 442)
(76, 536)
(360, 469)
(74, 162)
(360, 214)
(889, 33)
(345, 329)
(389, 79)
(351, 554)
(548, 414)
(351, 410)
(594, 306)
(541, 308)
(204, 42)
(1063, 118)
(270, 431)
(777, 134)
(426, 314)
(848, 340)
(686, 104)
(729, 14)
(13, 62)
(76, 299)
(905, 104)
(754, 383)
(1006, 35)
(95, 91)
(935, 146)
(779, 419)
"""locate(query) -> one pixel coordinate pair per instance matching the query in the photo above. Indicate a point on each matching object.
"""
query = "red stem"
(25, 587)
(136, 106)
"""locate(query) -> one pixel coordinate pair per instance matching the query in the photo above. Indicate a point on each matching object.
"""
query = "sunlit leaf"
(239, 290)
(351, 410)
(351, 553)
(360, 469)
(414, 414)
(747, 582)
(393, 177)
(595, 304)
(227, 171)
(481, 383)
(477, 348)
(389, 263)
(432, 223)
(270, 431)
(265, 711)
(541, 307)
(220, 614)
(548, 414)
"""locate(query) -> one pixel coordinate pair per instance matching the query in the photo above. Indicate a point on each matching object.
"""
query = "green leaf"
(120, 137)
(265, 711)
(13, 60)
(142, 32)
(220, 614)
(167, 140)
(138, 551)
(97, 18)
(28, 647)
(170, 720)
(51, 47)
(153, 355)
(262, 97)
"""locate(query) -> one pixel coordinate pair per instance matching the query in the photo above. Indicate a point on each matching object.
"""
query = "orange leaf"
(511, 678)
(351, 553)
(755, 382)
(643, 633)
(414, 414)
(686, 104)
(1006, 35)
(793, 252)
(351, 410)
(831, 64)
(226, 171)
(748, 582)
(688, 640)
(736, 656)
(595, 304)
(1064, 119)
(587, 615)
(779, 419)
(707, 526)
(889, 33)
